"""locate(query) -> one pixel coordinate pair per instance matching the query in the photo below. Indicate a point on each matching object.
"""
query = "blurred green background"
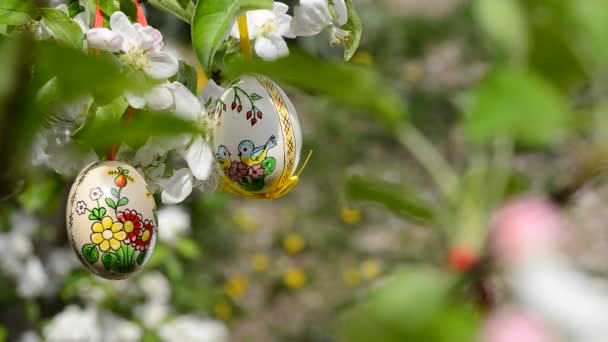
(457, 105)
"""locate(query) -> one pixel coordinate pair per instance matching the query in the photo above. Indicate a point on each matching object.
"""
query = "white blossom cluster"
(141, 48)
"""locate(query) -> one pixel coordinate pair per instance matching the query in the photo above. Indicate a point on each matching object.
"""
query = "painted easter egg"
(111, 219)
(257, 139)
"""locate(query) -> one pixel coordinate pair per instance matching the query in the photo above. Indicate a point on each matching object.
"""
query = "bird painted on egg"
(251, 155)
(223, 156)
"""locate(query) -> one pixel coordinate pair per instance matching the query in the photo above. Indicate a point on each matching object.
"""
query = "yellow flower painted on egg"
(108, 234)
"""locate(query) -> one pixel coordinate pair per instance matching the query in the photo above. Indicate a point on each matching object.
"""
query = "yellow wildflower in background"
(260, 262)
(294, 278)
(293, 243)
(351, 215)
(370, 269)
(244, 219)
(236, 287)
(223, 311)
(351, 277)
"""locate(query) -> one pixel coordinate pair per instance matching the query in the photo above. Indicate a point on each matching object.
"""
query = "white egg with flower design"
(111, 219)
(257, 139)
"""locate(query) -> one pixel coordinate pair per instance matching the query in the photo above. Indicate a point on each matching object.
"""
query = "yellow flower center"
(268, 28)
(145, 236)
(107, 234)
(129, 226)
(136, 58)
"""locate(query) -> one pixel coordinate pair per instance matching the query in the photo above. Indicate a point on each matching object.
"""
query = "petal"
(117, 226)
(104, 39)
(199, 157)
(341, 12)
(271, 48)
(146, 35)
(120, 235)
(115, 244)
(135, 100)
(162, 65)
(279, 8)
(104, 246)
(211, 93)
(106, 222)
(63, 8)
(310, 18)
(187, 106)
(122, 26)
(83, 19)
(97, 227)
(96, 238)
(178, 187)
(160, 99)
(283, 24)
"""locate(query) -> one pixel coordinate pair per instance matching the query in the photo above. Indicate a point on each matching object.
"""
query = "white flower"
(167, 97)
(81, 208)
(96, 194)
(268, 28)
(32, 280)
(189, 328)
(173, 223)
(29, 336)
(73, 324)
(65, 155)
(178, 187)
(313, 16)
(155, 286)
(140, 46)
(152, 313)
(115, 328)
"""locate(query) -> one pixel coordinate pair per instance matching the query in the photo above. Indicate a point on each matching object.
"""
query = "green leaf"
(126, 259)
(123, 201)
(109, 260)
(519, 105)
(108, 7)
(142, 125)
(16, 12)
(110, 202)
(184, 3)
(114, 193)
(96, 212)
(188, 248)
(41, 194)
(589, 30)
(102, 212)
(212, 22)
(90, 252)
(79, 74)
(141, 257)
(255, 97)
(74, 9)
(113, 110)
(354, 85)
(187, 76)
(66, 30)
(355, 27)
(185, 13)
(505, 26)
(419, 294)
(401, 202)
(129, 8)
(93, 217)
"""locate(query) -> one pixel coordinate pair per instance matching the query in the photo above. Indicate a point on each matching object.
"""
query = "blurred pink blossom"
(525, 226)
(514, 326)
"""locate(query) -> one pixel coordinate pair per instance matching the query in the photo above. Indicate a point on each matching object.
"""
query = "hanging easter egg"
(111, 219)
(257, 139)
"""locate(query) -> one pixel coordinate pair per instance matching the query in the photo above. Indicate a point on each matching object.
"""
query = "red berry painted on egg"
(260, 115)
(121, 181)
(463, 259)
(253, 121)
(239, 108)
(249, 114)
(233, 105)
(224, 106)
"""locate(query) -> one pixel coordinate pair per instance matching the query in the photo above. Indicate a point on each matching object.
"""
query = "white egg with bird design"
(257, 138)
(111, 219)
